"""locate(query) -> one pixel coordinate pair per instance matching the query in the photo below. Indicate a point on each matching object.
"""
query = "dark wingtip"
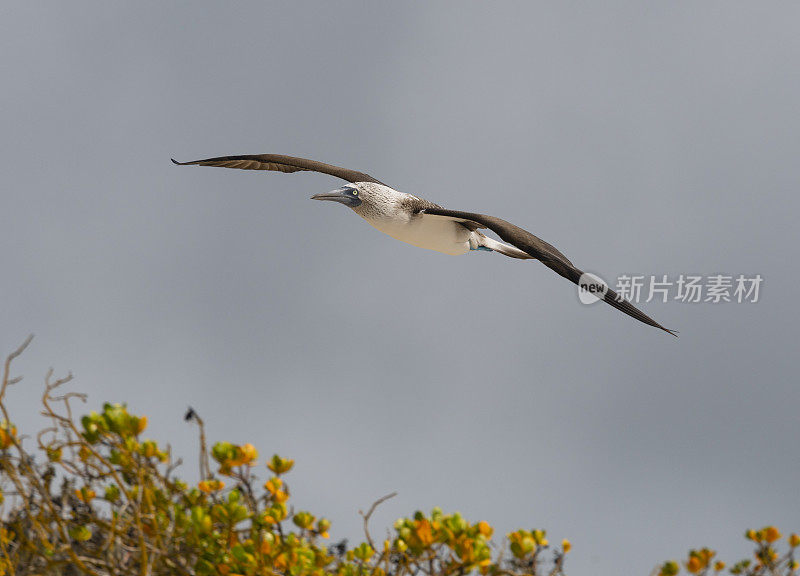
(176, 162)
(615, 301)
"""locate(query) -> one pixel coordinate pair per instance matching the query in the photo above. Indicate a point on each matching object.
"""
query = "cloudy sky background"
(638, 138)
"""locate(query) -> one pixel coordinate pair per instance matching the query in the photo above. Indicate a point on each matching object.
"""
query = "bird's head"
(367, 199)
(352, 195)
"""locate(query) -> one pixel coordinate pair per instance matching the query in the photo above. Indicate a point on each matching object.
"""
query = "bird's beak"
(346, 195)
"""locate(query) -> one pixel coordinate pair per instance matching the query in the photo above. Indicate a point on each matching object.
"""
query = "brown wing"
(547, 254)
(280, 163)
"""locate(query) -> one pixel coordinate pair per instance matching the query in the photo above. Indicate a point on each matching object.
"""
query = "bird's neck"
(385, 204)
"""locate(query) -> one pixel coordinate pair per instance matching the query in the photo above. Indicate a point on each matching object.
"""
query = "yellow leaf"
(771, 534)
(424, 532)
(85, 494)
(273, 484)
(209, 486)
(5, 438)
(249, 453)
(280, 465)
(694, 565)
(84, 453)
(266, 547)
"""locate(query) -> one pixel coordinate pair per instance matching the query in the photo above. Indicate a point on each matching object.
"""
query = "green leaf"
(363, 552)
(80, 533)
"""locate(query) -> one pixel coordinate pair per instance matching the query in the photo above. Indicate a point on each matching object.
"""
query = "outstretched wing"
(547, 254)
(281, 163)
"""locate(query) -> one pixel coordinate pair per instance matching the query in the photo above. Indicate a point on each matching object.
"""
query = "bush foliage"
(97, 498)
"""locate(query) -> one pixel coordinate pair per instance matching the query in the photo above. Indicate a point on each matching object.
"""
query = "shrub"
(102, 499)
(97, 498)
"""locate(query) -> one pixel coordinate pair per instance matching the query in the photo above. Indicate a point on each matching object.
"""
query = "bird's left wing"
(468, 224)
(544, 252)
(281, 163)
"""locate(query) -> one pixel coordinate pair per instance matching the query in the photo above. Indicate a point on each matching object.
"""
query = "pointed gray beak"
(347, 195)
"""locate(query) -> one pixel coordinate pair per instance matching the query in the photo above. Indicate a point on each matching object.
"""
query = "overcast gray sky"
(638, 138)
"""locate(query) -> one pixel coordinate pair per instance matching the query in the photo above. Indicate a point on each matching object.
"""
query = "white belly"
(427, 231)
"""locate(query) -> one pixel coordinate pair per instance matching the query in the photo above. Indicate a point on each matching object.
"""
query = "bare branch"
(205, 466)
(7, 367)
(366, 516)
(20, 350)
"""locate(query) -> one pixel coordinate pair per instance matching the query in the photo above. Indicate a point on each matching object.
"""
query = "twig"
(205, 467)
(9, 360)
(366, 516)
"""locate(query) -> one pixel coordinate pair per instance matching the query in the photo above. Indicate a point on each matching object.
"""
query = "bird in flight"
(422, 223)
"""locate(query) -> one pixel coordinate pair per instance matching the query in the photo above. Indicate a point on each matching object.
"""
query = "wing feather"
(547, 254)
(281, 163)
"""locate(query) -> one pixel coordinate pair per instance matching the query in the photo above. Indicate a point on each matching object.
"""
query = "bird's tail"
(483, 241)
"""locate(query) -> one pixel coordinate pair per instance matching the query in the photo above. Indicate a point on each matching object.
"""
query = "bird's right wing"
(281, 163)
(546, 253)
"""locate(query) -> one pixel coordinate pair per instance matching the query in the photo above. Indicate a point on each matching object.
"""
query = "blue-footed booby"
(422, 223)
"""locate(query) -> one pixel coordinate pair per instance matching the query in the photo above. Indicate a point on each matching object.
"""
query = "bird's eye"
(355, 192)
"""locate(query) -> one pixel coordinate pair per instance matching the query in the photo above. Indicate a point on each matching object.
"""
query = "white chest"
(426, 231)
